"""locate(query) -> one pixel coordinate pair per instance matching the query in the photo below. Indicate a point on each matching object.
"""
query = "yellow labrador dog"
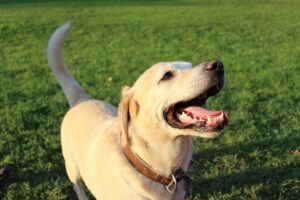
(143, 149)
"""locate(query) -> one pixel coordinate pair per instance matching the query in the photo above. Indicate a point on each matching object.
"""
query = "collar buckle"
(171, 187)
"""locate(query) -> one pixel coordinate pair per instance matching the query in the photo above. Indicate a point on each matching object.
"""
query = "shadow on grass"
(282, 145)
(272, 178)
(38, 179)
(54, 178)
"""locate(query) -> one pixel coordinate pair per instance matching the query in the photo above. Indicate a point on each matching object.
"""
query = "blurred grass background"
(112, 42)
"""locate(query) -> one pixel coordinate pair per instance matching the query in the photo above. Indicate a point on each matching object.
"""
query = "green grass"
(258, 42)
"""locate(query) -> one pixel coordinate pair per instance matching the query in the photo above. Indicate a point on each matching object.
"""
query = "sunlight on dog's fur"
(157, 117)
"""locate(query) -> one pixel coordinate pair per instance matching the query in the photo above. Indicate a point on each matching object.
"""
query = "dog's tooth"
(182, 116)
(185, 117)
(209, 119)
(179, 117)
(179, 114)
(220, 116)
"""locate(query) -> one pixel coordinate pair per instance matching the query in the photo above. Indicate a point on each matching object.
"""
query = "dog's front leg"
(78, 187)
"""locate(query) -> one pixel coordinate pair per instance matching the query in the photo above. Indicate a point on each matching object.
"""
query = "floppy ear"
(128, 109)
(133, 109)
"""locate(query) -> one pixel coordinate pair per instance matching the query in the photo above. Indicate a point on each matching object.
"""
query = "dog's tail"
(71, 88)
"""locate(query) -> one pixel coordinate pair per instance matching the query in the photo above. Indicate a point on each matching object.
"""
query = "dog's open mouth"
(192, 114)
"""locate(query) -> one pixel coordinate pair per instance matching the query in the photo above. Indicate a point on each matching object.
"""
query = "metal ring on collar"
(171, 187)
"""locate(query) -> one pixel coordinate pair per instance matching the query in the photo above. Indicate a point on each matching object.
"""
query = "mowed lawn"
(110, 44)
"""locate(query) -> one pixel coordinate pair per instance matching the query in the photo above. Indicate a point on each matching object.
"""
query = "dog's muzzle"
(192, 114)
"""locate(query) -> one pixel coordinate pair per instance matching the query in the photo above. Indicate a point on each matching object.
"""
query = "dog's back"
(83, 123)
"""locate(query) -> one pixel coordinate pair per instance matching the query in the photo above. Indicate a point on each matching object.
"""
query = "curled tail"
(74, 93)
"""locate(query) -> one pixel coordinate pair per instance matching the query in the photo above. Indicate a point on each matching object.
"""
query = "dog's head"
(169, 98)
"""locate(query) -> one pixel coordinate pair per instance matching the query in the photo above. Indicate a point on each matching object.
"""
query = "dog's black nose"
(215, 65)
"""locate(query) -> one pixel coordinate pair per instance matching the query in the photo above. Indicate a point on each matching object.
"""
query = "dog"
(143, 148)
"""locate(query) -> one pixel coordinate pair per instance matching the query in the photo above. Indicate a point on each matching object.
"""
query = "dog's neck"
(162, 153)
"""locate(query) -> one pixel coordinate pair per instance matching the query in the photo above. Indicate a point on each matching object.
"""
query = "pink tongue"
(215, 116)
(199, 111)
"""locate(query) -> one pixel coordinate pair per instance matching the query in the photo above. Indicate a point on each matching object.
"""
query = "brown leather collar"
(169, 181)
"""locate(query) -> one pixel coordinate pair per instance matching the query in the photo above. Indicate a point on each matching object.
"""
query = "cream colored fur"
(91, 129)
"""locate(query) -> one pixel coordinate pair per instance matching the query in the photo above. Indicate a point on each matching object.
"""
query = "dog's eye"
(167, 76)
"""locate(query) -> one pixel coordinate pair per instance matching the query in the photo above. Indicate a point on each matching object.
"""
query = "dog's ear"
(133, 109)
(128, 110)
